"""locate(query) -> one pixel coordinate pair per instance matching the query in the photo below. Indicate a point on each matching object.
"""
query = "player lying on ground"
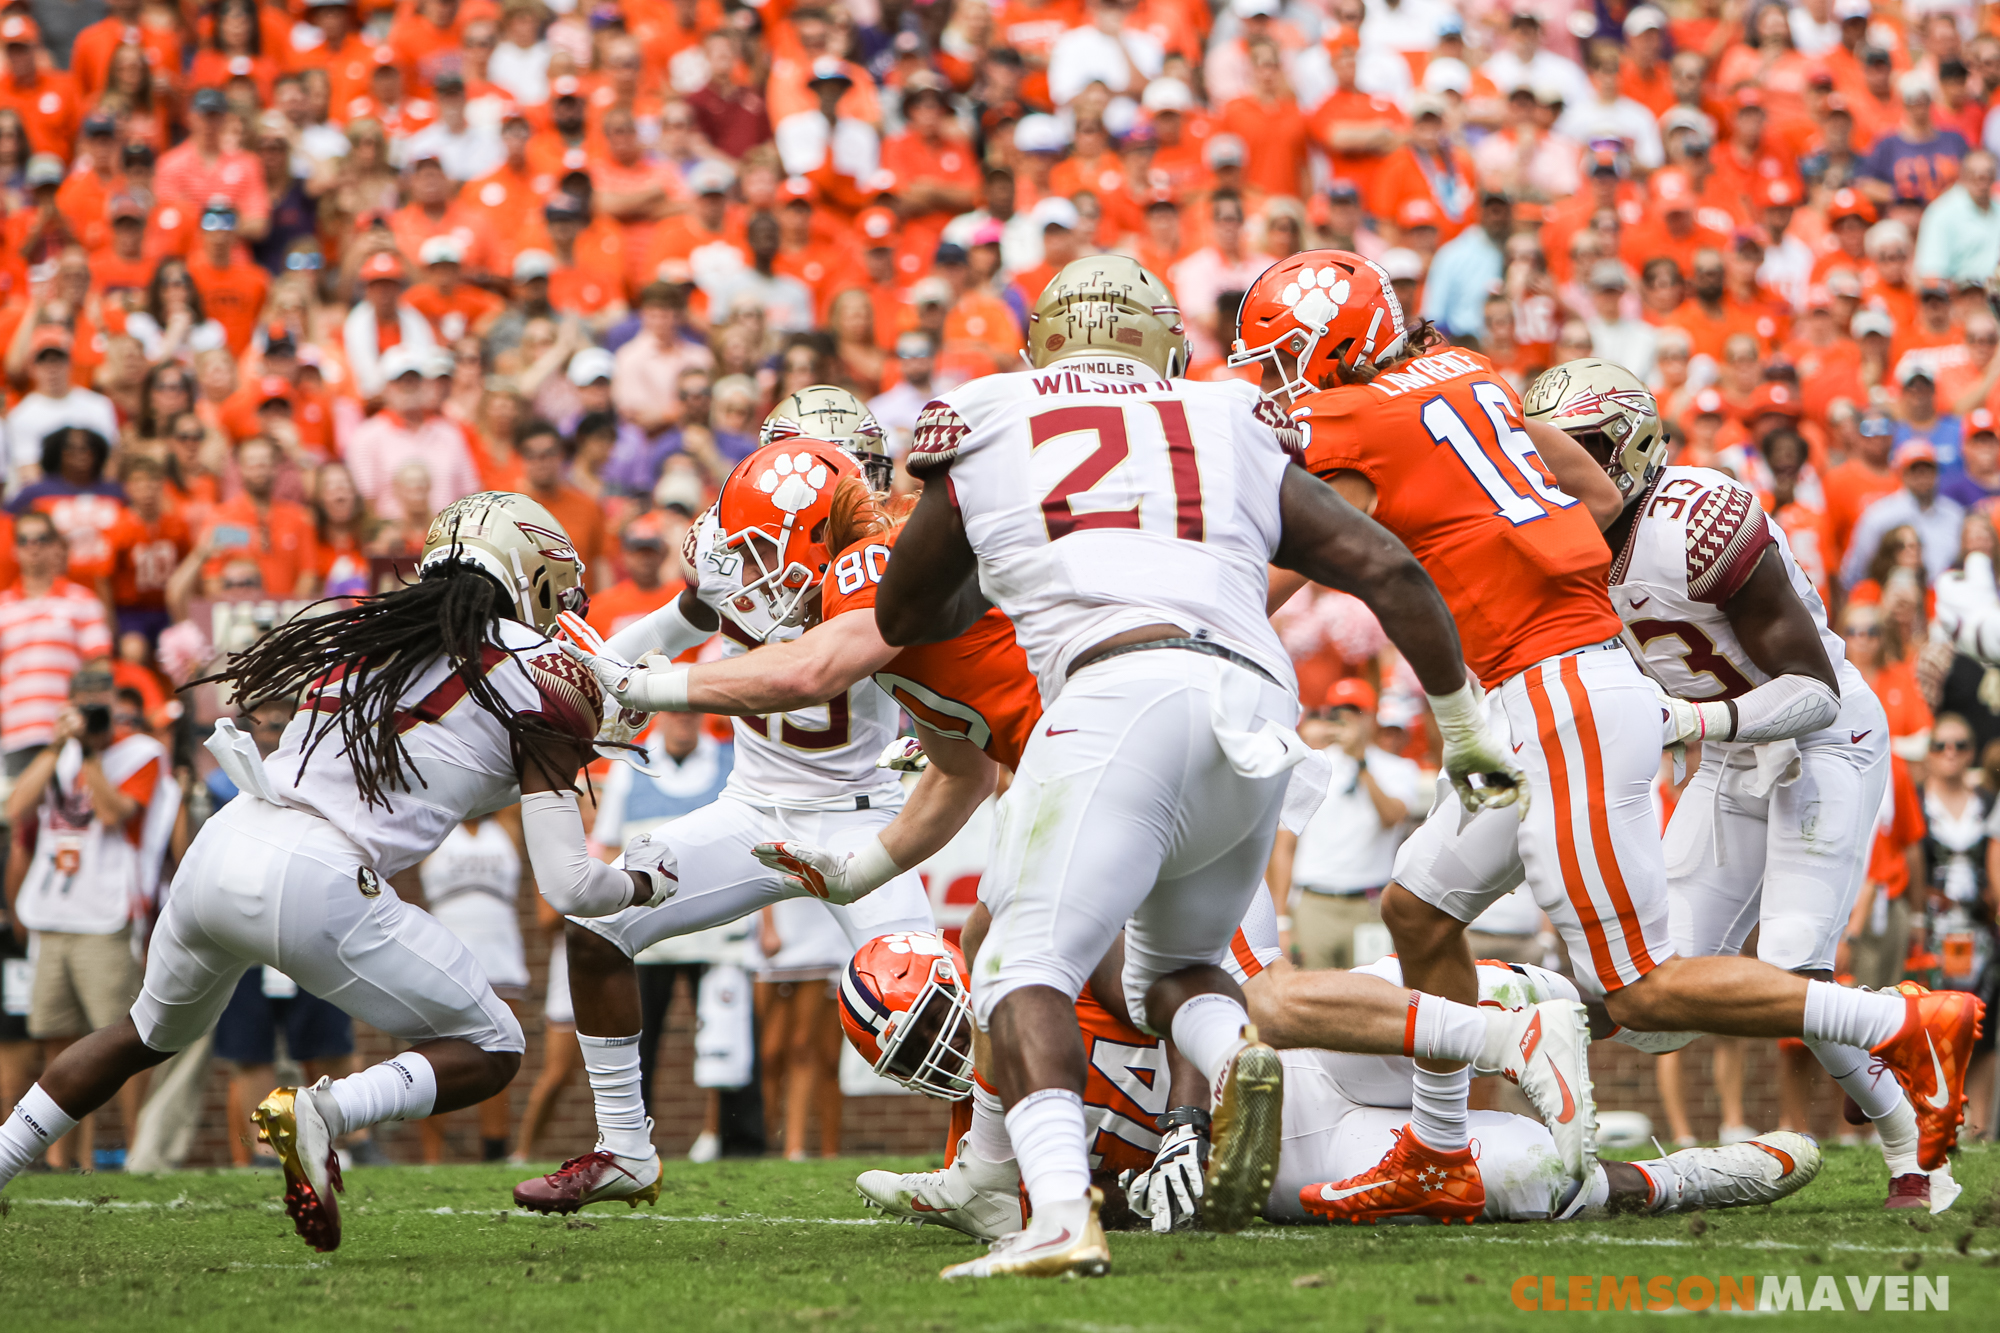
(1506, 513)
(1341, 1111)
(1772, 833)
(294, 873)
(805, 765)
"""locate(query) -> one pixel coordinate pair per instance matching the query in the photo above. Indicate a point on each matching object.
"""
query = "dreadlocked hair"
(859, 512)
(354, 664)
(1422, 340)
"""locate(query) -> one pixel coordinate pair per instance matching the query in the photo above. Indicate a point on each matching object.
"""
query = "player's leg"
(1315, 1105)
(1762, 1169)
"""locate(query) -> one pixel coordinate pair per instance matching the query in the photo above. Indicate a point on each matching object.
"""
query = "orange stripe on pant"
(1246, 957)
(1600, 819)
(1565, 819)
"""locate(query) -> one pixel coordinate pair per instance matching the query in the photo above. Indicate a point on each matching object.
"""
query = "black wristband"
(1734, 720)
(1183, 1115)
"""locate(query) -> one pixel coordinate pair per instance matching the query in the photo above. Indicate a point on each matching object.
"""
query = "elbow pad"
(573, 881)
(666, 630)
(1784, 709)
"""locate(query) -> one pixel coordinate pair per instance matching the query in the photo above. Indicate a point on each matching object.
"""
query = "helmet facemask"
(928, 1047)
(777, 591)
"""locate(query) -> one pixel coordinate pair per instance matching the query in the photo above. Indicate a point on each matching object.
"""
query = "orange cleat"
(1413, 1181)
(1929, 1058)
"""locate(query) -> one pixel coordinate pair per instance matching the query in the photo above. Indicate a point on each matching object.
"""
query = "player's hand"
(655, 686)
(1967, 610)
(1472, 751)
(812, 870)
(905, 754)
(1682, 721)
(1168, 1190)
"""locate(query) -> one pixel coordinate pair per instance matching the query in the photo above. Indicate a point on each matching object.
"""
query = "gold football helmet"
(1108, 303)
(1603, 404)
(517, 542)
(828, 412)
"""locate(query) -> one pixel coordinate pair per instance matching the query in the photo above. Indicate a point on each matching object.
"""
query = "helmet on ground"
(1609, 411)
(773, 514)
(828, 412)
(519, 544)
(1321, 308)
(1108, 303)
(904, 1005)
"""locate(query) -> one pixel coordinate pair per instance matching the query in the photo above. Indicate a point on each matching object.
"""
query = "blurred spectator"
(1916, 504)
(1466, 270)
(1960, 234)
(54, 403)
(50, 628)
(409, 430)
(545, 454)
(646, 376)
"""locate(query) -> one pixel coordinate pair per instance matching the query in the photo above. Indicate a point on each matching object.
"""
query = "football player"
(423, 707)
(1341, 1111)
(1507, 514)
(1124, 520)
(828, 412)
(1773, 834)
(803, 766)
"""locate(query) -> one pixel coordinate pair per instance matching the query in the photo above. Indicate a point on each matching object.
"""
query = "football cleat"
(595, 1177)
(1944, 1190)
(980, 1198)
(291, 1121)
(1909, 1191)
(1062, 1241)
(1245, 1134)
(1413, 1181)
(1762, 1169)
(1548, 1055)
(1929, 1057)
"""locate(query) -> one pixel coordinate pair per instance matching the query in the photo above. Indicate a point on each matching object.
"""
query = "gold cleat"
(289, 1119)
(1067, 1245)
(1245, 1136)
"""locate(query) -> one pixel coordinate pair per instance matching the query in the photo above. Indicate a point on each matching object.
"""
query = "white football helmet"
(1602, 404)
(828, 412)
(519, 544)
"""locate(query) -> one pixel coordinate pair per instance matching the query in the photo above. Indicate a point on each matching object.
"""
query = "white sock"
(989, 1139)
(1666, 1182)
(36, 1123)
(613, 1066)
(1898, 1129)
(1049, 1136)
(1852, 1017)
(1590, 1197)
(403, 1087)
(1208, 1030)
(1443, 1029)
(1868, 1081)
(1437, 1107)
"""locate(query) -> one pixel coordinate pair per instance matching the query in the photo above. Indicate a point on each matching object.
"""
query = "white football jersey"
(484, 862)
(1698, 536)
(462, 755)
(810, 757)
(1100, 497)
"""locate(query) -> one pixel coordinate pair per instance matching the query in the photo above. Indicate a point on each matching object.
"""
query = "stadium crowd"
(280, 280)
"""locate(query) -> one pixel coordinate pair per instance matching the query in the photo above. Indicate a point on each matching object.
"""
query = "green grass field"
(775, 1247)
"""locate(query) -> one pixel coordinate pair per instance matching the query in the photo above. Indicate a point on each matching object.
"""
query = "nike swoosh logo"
(1855, 737)
(1518, 745)
(920, 1206)
(1784, 1158)
(1332, 1195)
(1569, 1102)
(1638, 602)
(1057, 1243)
(1938, 1098)
(1054, 731)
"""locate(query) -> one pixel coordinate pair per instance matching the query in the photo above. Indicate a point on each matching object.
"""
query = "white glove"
(656, 863)
(905, 754)
(835, 877)
(1967, 614)
(1683, 721)
(1470, 750)
(654, 687)
(1168, 1190)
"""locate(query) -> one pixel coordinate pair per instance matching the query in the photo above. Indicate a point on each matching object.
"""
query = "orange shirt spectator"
(278, 535)
(45, 100)
(201, 168)
(49, 627)
(145, 552)
(90, 54)
(454, 308)
(542, 464)
(232, 287)
(1275, 140)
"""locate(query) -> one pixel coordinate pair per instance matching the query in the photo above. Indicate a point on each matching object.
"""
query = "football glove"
(1682, 721)
(1471, 751)
(657, 686)
(905, 754)
(656, 862)
(834, 877)
(1967, 613)
(1167, 1191)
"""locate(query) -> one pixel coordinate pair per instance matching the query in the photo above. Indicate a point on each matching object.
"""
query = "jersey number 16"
(1446, 426)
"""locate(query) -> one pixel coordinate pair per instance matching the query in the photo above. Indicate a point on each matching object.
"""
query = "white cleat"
(980, 1198)
(1944, 1190)
(1762, 1169)
(1066, 1240)
(1547, 1052)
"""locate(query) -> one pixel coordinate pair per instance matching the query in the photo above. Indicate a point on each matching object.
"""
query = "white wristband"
(656, 689)
(872, 867)
(1457, 712)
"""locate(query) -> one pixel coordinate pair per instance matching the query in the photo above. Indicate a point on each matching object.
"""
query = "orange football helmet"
(1320, 307)
(904, 1005)
(773, 514)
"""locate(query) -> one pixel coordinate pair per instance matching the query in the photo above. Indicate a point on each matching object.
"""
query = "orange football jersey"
(1521, 564)
(976, 687)
(1124, 1091)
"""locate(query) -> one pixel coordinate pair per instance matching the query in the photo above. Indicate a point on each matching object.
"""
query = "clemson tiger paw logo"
(793, 481)
(1316, 297)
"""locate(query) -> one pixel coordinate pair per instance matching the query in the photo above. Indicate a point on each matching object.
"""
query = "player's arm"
(930, 589)
(816, 666)
(1781, 637)
(685, 622)
(959, 777)
(570, 879)
(1331, 542)
(1576, 472)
